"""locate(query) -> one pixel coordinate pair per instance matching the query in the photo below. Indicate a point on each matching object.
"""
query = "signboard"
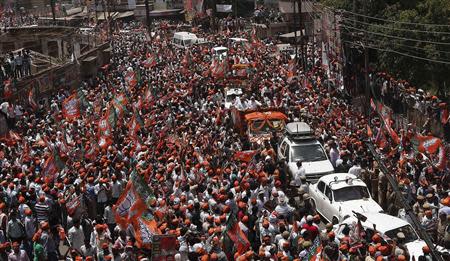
(224, 8)
(164, 247)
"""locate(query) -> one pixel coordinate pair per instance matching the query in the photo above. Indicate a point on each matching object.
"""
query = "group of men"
(165, 126)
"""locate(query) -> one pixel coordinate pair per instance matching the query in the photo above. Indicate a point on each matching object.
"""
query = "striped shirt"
(42, 211)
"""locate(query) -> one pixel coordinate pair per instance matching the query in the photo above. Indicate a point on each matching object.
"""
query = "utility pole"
(52, 4)
(366, 60)
(147, 19)
(302, 45)
(294, 2)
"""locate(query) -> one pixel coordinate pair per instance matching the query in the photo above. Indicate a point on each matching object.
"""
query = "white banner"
(224, 8)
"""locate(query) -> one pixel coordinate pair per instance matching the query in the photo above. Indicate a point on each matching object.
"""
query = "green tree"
(404, 36)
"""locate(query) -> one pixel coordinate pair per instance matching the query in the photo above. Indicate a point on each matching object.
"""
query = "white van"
(184, 39)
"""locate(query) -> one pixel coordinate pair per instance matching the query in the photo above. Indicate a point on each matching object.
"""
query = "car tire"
(334, 221)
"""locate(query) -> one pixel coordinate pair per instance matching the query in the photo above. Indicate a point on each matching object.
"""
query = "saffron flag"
(315, 249)
(369, 131)
(7, 91)
(245, 156)
(234, 232)
(442, 158)
(31, 100)
(128, 206)
(130, 79)
(92, 152)
(71, 107)
(145, 228)
(134, 126)
(73, 204)
(150, 61)
(429, 144)
(218, 68)
(52, 166)
(389, 129)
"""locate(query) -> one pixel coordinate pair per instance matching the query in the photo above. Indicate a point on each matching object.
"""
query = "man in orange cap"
(429, 223)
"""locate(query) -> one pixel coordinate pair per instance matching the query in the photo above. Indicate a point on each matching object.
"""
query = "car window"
(286, 153)
(351, 193)
(283, 148)
(410, 234)
(308, 153)
(328, 192)
(321, 186)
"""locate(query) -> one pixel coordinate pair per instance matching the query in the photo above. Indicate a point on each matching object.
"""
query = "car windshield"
(308, 153)
(408, 231)
(350, 193)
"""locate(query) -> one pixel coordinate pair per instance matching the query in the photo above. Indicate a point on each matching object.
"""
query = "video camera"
(360, 216)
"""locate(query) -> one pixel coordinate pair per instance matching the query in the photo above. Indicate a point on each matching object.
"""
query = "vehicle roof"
(220, 48)
(296, 143)
(185, 35)
(341, 179)
(233, 91)
(267, 115)
(237, 39)
(298, 128)
(382, 221)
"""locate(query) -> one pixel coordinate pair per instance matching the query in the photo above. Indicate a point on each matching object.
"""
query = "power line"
(393, 21)
(397, 29)
(399, 53)
(392, 36)
(408, 46)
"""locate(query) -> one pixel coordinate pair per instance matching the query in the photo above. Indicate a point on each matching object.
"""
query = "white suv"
(299, 144)
(336, 196)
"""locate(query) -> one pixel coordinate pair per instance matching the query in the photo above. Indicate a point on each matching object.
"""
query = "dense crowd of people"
(62, 177)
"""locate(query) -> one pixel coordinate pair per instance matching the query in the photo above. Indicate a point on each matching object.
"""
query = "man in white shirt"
(355, 169)
(298, 174)
(110, 220)
(76, 235)
(116, 188)
(101, 190)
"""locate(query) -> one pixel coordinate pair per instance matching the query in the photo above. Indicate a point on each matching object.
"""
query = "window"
(321, 186)
(283, 148)
(286, 153)
(409, 232)
(328, 192)
(308, 153)
(351, 193)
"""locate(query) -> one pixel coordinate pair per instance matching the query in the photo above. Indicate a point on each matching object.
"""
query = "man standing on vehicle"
(299, 173)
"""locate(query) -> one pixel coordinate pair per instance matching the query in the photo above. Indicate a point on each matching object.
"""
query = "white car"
(299, 144)
(388, 227)
(336, 195)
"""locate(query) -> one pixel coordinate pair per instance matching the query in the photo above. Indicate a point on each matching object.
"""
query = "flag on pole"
(128, 206)
(7, 91)
(245, 156)
(31, 99)
(428, 144)
(150, 61)
(71, 107)
(145, 227)
(130, 79)
(234, 233)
